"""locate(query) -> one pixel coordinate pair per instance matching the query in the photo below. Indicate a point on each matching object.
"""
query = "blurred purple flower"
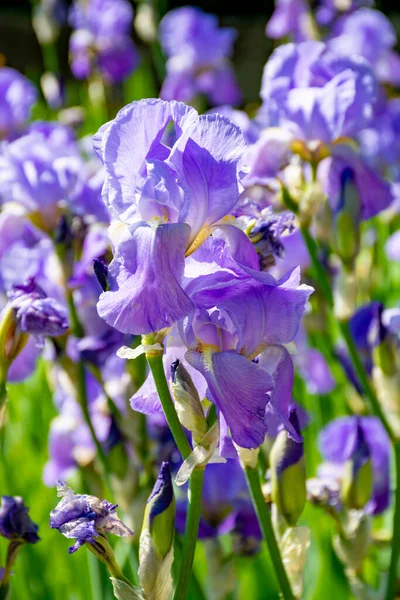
(374, 193)
(291, 17)
(328, 10)
(15, 522)
(197, 51)
(40, 170)
(17, 96)
(84, 518)
(338, 441)
(36, 313)
(225, 508)
(370, 34)
(101, 40)
(317, 94)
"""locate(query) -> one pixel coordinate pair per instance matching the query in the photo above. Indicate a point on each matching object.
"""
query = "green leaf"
(123, 591)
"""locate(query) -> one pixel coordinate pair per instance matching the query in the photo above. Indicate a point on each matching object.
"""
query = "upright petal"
(207, 164)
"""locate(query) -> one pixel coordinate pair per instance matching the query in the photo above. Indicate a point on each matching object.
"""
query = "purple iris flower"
(35, 312)
(84, 518)
(15, 522)
(17, 96)
(197, 51)
(171, 200)
(101, 40)
(374, 193)
(225, 508)
(291, 17)
(39, 171)
(316, 93)
(328, 10)
(380, 141)
(370, 34)
(339, 442)
(368, 331)
(242, 323)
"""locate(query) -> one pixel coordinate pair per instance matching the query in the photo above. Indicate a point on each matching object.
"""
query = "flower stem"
(264, 519)
(364, 379)
(320, 275)
(157, 369)
(191, 532)
(394, 558)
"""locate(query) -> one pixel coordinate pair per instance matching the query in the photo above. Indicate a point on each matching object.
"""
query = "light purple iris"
(17, 96)
(244, 318)
(84, 518)
(171, 199)
(370, 34)
(197, 51)
(318, 94)
(374, 193)
(291, 17)
(339, 442)
(40, 170)
(101, 40)
(328, 10)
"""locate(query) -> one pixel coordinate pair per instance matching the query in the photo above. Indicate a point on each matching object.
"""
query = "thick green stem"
(394, 559)
(191, 532)
(157, 368)
(264, 519)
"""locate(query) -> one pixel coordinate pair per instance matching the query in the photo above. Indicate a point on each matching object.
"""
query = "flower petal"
(144, 277)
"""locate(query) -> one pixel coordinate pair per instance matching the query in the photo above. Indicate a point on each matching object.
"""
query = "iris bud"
(347, 219)
(187, 401)
(157, 537)
(288, 475)
(358, 479)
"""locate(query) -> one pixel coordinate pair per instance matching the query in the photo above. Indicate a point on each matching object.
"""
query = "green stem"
(320, 275)
(394, 558)
(364, 379)
(264, 519)
(191, 532)
(83, 402)
(157, 369)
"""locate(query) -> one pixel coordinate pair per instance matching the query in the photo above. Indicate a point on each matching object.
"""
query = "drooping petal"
(277, 361)
(241, 400)
(145, 279)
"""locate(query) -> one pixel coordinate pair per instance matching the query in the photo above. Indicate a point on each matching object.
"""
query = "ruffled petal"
(145, 279)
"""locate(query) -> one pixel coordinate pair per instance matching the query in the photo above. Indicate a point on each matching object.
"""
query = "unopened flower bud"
(187, 401)
(357, 482)
(347, 219)
(345, 295)
(157, 537)
(288, 475)
(12, 341)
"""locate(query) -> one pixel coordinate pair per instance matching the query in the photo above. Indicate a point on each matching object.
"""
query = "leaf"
(123, 591)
